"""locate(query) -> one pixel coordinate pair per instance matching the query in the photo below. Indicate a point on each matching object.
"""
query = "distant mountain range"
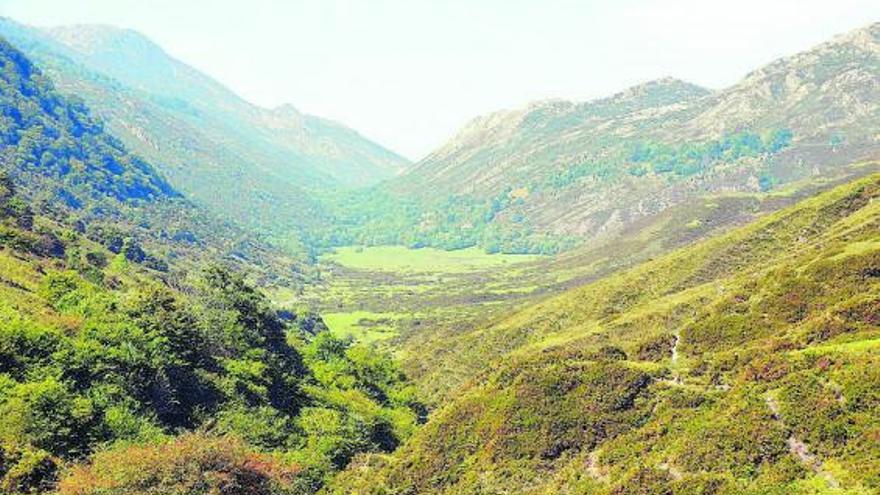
(255, 165)
(67, 167)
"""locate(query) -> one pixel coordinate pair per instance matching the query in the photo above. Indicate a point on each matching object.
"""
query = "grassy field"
(363, 326)
(377, 293)
(425, 260)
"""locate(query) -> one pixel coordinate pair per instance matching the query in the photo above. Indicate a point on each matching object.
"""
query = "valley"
(671, 290)
(407, 300)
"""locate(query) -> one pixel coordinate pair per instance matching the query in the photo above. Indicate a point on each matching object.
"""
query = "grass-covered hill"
(742, 364)
(556, 173)
(255, 165)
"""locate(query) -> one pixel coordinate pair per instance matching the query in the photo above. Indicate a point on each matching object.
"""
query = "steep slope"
(742, 364)
(483, 156)
(68, 167)
(252, 165)
(174, 388)
(557, 174)
(827, 92)
(48, 136)
(122, 332)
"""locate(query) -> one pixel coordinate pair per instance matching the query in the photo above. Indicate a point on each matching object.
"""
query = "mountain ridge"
(712, 328)
(555, 174)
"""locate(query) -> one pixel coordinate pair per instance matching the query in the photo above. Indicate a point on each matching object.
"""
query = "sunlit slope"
(822, 96)
(743, 364)
(117, 378)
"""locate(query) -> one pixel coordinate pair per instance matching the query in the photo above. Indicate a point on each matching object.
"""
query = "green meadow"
(363, 326)
(424, 260)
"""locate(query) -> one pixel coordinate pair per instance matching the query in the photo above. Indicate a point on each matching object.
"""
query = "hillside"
(741, 364)
(827, 92)
(212, 145)
(68, 167)
(170, 385)
(557, 174)
(668, 291)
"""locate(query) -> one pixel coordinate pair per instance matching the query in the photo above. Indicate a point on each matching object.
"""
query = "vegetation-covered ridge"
(67, 166)
(742, 364)
(500, 223)
(254, 166)
(538, 180)
(45, 134)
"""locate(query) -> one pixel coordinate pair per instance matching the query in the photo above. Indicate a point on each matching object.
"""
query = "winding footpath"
(676, 377)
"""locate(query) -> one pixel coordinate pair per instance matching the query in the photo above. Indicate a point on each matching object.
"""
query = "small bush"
(192, 464)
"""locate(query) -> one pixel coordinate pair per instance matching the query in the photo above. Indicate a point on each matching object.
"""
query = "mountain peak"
(659, 92)
(286, 110)
(95, 38)
(867, 35)
(847, 50)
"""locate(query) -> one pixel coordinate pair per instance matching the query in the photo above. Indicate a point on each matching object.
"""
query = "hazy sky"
(408, 73)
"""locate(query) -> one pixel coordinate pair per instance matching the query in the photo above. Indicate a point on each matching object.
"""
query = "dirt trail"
(676, 377)
(675, 347)
(800, 450)
(593, 468)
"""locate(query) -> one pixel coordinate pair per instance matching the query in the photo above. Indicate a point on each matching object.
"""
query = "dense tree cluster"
(43, 134)
(373, 218)
(500, 223)
(101, 354)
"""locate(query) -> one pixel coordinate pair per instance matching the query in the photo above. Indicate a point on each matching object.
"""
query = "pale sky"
(409, 73)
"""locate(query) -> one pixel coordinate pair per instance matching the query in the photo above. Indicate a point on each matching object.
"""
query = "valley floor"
(407, 300)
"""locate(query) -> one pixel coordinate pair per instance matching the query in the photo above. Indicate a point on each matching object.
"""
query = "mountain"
(327, 147)
(828, 91)
(742, 364)
(47, 137)
(256, 166)
(66, 166)
(482, 156)
(556, 174)
(665, 352)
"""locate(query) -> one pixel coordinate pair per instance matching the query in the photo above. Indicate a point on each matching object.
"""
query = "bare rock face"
(832, 86)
